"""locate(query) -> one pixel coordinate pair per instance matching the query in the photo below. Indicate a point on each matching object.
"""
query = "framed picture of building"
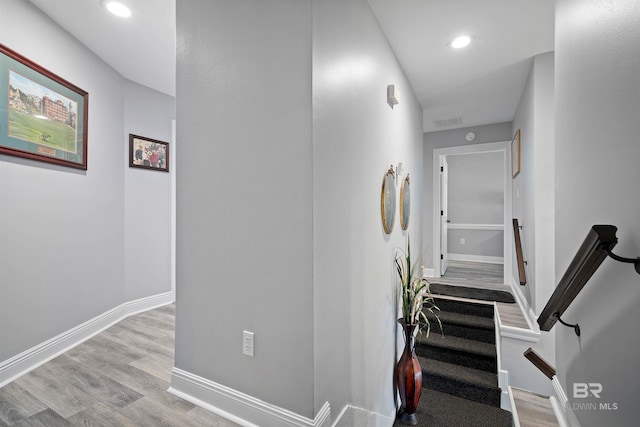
(147, 153)
(42, 116)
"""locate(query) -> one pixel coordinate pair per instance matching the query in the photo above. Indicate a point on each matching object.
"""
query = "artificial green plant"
(414, 292)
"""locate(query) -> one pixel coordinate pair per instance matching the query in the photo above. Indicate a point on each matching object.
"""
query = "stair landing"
(533, 410)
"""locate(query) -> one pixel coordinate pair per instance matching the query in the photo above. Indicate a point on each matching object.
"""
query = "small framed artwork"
(42, 116)
(147, 153)
(515, 154)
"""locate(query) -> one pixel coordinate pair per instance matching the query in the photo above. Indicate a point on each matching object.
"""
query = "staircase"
(459, 369)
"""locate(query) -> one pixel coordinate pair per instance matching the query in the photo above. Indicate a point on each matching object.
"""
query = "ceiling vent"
(445, 123)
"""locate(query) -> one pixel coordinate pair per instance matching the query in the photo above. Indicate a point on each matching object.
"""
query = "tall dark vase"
(408, 378)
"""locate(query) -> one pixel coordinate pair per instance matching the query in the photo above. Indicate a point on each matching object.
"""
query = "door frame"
(503, 147)
(443, 165)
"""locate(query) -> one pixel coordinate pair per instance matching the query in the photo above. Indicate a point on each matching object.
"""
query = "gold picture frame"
(515, 155)
(388, 200)
(405, 202)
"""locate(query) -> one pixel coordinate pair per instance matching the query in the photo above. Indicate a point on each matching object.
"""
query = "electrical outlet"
(463, 241)
(247, 343)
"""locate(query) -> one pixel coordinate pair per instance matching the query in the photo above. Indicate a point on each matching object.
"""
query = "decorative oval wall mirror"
(388, 200)
(405, 203)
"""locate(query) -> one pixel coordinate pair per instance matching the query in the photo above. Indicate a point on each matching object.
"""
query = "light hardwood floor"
(533, 409)
(485, 276)
(117, 378)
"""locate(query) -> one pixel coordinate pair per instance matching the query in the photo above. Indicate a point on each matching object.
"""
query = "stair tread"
(453, 372)
(464, 307)
(478, 322)
(438, 409)
(459, 344)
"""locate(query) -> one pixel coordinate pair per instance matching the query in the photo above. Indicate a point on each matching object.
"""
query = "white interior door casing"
(444, 214)
(503, 147)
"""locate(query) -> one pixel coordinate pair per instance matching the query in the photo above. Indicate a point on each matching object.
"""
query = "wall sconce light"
(393, 97)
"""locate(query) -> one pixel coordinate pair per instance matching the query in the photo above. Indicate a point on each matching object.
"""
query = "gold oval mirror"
(388, 201)
(405, 203)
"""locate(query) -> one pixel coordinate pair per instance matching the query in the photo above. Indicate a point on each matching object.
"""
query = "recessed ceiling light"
(118, 9)
(460, 42)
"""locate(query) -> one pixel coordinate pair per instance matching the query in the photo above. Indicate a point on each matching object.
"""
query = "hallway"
(117, 378)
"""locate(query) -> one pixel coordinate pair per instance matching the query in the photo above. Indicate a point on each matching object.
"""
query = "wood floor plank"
(148, 412)
(62, 397)
(533, 409)
(17, 404)
(91, 381)
(100, 415)
(46, 418)
(156, 365)
(118, 378)
(201, 417)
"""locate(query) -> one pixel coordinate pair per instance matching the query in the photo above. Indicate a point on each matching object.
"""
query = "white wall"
(533, 205)
(244, 198)
(357, 136)
(147, 196)
(279, 228)
(534, 187)
(62, 231)
(597, 82)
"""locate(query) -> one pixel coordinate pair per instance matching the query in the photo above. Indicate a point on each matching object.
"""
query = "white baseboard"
(250, 412)
(428, 272)
(503, 383)
(476, 258)
(529, 315)
(513, 409)
(559, 403)
(30, 359)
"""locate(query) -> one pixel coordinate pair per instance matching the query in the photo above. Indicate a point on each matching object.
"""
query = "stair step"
(461, 351)
(464, 326)
(438, 409)
(464, 307)
(462, 381)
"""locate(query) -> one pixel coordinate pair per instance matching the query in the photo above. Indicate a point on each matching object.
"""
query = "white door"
(444, 184)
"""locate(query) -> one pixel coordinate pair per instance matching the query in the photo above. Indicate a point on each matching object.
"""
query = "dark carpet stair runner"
(459, 369)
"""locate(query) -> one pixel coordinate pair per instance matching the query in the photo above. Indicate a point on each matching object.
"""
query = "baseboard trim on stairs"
(530, 335)
(527, 311)
(514, 410)
(28, 360)
(239, 407)
(505, 397)
(503, 375)
(559, 402)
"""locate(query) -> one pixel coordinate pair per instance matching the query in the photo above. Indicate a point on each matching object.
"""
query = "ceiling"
(480, 84)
